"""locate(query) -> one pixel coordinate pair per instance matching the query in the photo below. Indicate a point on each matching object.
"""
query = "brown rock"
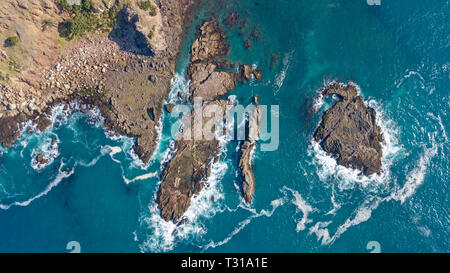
(208, 83)
(186, 173)
(9, 130)
(43, 123)
(41, 160)
(247, 44)
(210, 42)
(348, 131)
(248, 177)
(231, 20)
(258, 75)
(245, 72)
(169, 107)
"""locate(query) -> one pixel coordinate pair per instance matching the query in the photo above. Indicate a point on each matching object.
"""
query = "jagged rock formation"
(206, 81)
(246, 72)
(187, 172)
(348, 131)
(245, 153)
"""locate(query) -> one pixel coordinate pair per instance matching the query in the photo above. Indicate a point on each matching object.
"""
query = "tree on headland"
(11, 41)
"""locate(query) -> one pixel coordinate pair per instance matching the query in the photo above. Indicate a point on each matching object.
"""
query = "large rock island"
(349, 132)
(245, 154)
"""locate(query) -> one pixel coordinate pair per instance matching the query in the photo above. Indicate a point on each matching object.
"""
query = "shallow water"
(95, 190)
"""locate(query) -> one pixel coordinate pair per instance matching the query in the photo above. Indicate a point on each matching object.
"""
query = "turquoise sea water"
(95, 191)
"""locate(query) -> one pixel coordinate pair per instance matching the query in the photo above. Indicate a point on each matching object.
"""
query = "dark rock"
(169, 107)
(9, 130)
(184, 176)
(231, 20)
(210, 42)
(43, 123)
(258, 75)
(208, 83)
(247, 44)
(255, 34)
(41, 160)
(348, 131)
(245, 72)
(248, 177)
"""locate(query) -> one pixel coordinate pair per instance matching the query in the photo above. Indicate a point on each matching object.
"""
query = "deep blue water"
(397, 53)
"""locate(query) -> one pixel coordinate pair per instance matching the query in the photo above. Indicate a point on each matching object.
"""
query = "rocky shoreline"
(349, 132)
(186, 174)
(245, 154)
(126, 77)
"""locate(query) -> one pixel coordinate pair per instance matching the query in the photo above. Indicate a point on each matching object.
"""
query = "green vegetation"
(11, 41)
(153, 11)
(152, 33)
(85, 5)
(47, 23)
(147, 5)
(9, 68)
(84, 20)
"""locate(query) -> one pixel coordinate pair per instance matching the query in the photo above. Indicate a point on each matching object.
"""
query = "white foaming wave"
(279, 80)
(136, 161)
(205, 204)
(178, 83)
(302, 206)
(61, 175)
(140, 177)
(416, 177)
(321, 232)
(362, 214)
(407, 76)
(414, 180)
(165, 234)
(347, 177)
(168, 154)
(336, 206)
(49, 151)
(267, 213)
(159, 129)
(95, 117)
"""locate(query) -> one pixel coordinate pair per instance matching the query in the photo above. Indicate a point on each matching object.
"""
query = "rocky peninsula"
(186, 174)
(245, 154)
(122, 62)
(349, 132)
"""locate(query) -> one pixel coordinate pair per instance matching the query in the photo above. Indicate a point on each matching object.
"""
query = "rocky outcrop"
(231, 20)
(187, 172)
(246, 72)
(348, 131)
(41, 160)
(206, 81)
(245, 154)
(210, 42)
(123, 72)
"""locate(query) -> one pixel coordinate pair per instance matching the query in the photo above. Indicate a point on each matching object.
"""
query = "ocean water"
(96, 192)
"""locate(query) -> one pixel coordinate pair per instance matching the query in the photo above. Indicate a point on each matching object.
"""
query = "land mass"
(123, 64)
(186, 174)
(349, 132)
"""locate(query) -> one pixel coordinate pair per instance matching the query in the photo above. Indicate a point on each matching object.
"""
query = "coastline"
(127, 83)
